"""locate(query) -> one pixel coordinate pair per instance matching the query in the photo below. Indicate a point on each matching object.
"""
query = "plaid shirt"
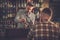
(44, 31)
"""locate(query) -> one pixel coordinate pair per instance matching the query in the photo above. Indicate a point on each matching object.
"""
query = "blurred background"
(9, 9)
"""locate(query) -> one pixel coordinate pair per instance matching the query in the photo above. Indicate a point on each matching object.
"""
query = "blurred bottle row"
(7, 24)
(17, 3)
(8, 10)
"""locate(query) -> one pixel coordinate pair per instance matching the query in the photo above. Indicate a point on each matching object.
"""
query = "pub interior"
(8, 11)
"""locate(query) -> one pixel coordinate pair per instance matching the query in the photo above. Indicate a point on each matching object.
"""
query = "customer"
(45, 29)
(22, 16)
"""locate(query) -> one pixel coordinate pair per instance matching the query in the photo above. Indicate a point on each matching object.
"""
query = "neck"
(45, 21)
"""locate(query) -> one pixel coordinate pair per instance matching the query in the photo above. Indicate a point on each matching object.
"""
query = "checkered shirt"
(44, 31)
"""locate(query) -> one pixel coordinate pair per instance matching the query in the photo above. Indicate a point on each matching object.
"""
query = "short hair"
(29, 4)
(47, 11)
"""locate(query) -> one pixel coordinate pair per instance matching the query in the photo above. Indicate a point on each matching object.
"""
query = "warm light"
(29, 0)
(44, 5)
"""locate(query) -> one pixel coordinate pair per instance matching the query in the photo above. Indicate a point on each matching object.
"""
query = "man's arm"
(19, 16)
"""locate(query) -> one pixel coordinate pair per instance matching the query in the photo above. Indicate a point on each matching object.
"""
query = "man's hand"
(22, 20)
(25, 23)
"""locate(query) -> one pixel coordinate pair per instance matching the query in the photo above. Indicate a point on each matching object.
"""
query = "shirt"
(44, 31)
(32, 17)
(21, 14)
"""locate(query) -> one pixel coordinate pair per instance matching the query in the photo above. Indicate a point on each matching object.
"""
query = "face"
(44, 17)
(29, 8)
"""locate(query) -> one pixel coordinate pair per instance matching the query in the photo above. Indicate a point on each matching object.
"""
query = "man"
(45, 29)
(23, 16)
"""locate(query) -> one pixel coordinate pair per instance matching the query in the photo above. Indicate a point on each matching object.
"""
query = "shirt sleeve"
(19, 15)
(30, 35)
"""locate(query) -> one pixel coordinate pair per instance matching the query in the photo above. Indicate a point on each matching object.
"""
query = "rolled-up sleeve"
(18, 15)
